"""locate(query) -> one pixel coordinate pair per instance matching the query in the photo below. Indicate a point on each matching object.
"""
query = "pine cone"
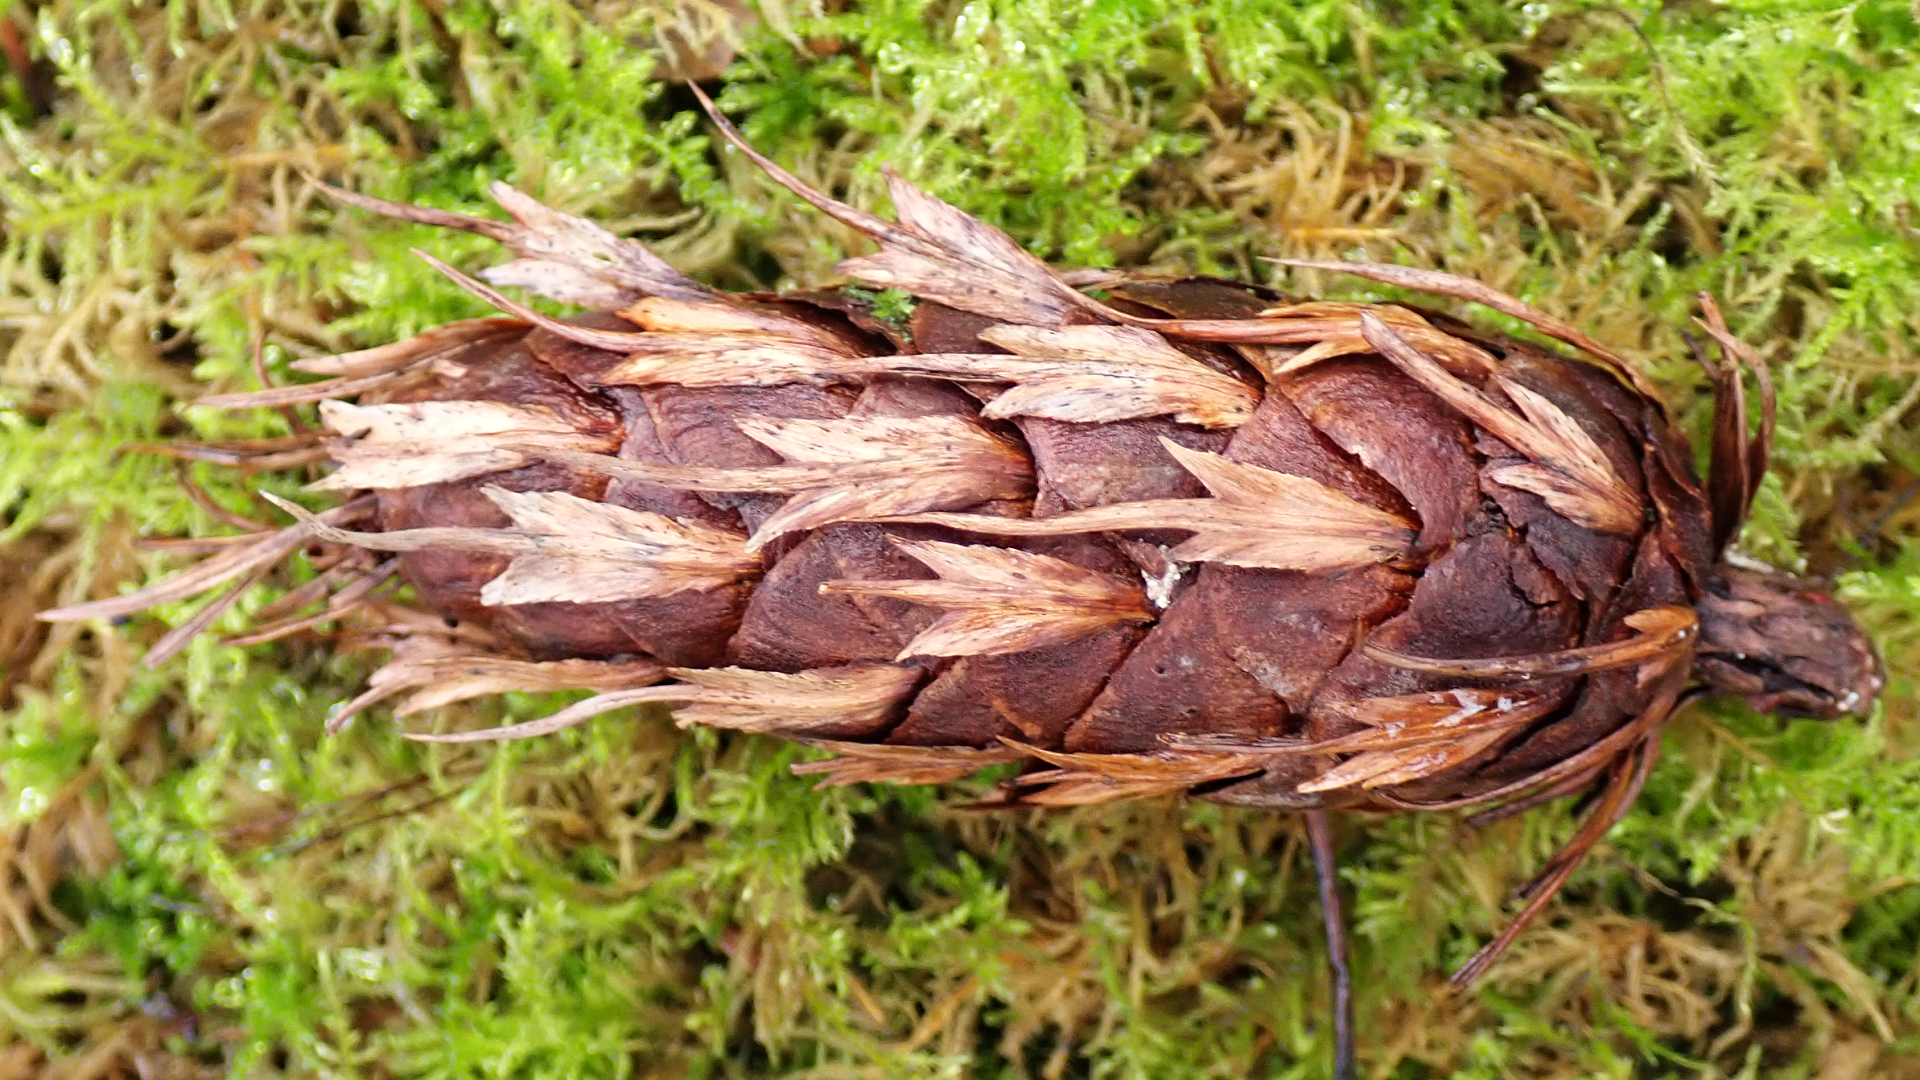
(1191, 536)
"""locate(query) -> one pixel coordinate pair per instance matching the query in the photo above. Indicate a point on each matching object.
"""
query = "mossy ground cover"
(195, 881)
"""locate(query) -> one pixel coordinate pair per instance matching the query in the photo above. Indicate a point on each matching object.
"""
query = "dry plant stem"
(1325, 874)
(257, 455)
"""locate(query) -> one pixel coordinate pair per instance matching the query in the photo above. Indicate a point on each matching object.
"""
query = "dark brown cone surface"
(1258, 659)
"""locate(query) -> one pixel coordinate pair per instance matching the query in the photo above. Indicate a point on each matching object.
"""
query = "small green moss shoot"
(198, 882)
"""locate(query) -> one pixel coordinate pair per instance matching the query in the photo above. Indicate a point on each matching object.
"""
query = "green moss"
(202, 877)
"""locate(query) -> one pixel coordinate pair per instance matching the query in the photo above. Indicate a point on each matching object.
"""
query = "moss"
(199, 881)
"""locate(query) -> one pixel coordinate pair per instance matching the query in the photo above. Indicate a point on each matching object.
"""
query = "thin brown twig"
(220, 513)
(1326, 875)
(259, 359)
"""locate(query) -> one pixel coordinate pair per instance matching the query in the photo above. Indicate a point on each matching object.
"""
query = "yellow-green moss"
(199, 881)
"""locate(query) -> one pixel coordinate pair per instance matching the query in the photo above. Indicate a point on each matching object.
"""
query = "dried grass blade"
(221, 568)
(177, 638)
(295, 395)
(1629, 775)
(394, 356)
(349, 599)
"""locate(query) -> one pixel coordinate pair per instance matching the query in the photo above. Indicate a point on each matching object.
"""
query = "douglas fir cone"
(1191, 536)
